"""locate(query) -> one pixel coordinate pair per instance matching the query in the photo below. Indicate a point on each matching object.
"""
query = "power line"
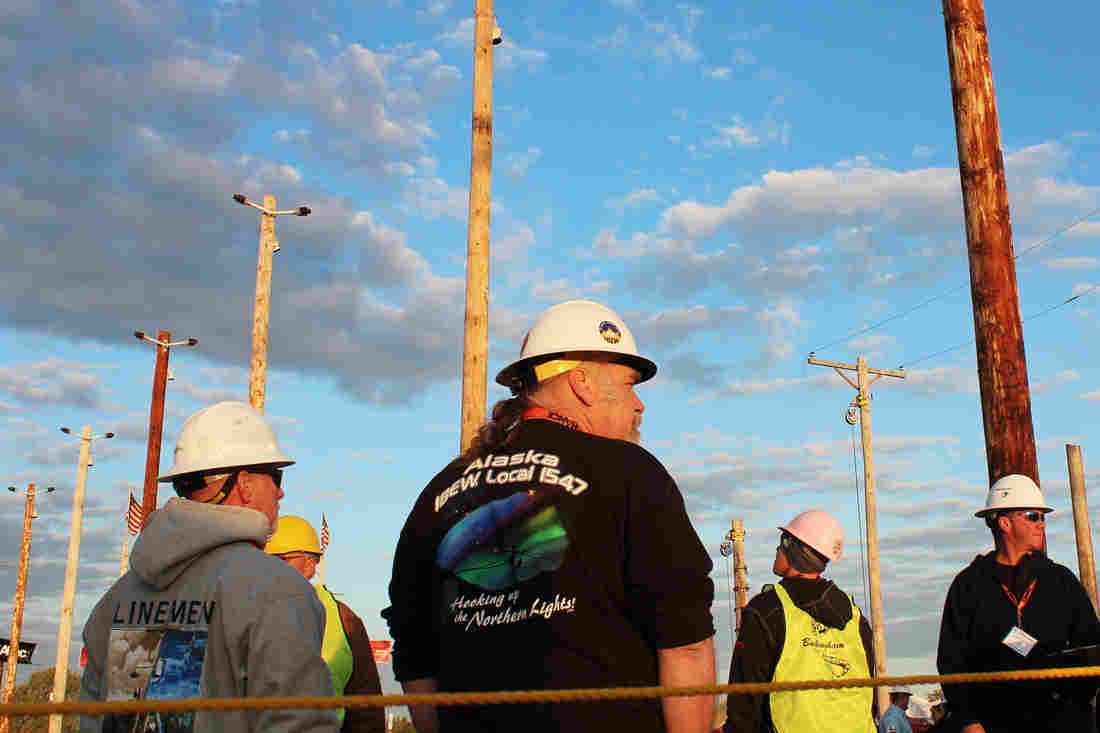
(1043, 312)
(1038, 245)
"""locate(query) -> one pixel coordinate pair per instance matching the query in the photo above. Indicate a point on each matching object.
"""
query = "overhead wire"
(1043, 312)
(923, 304)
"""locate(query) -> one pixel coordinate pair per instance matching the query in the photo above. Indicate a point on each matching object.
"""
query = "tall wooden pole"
(1086, 566)
(476, 342)
(998, 332)
(156, 427)
(65, 628)
(870, 502)
(17, 607)
(257, 375)
(874, 585)
(740, 569)
(123, 562)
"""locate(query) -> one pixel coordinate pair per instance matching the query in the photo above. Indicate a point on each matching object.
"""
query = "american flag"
(324, 532)
(133, 516)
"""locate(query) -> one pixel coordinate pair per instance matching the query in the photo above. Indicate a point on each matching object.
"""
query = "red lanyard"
(1021, 602)
(541, 413)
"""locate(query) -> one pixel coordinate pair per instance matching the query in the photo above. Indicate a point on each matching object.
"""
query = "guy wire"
(859, 522)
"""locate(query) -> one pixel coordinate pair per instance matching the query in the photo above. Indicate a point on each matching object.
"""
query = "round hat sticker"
(610, 332)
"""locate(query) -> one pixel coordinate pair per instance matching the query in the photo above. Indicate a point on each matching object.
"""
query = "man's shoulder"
(766, 602)
(242, 565)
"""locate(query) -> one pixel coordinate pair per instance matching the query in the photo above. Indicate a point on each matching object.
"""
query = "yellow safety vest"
(336, 649)
(814, 651)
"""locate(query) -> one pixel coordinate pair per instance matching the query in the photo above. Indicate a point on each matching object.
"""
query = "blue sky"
(743, 184)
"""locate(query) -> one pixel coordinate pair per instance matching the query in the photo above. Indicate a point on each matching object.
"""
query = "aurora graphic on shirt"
(147, 664)
(505, 542)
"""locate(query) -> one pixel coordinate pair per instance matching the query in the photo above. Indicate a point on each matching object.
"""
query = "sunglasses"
(1033, 516)
(785, 540)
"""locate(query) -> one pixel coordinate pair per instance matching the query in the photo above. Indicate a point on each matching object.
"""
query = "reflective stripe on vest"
(336, 649)
(813, 651)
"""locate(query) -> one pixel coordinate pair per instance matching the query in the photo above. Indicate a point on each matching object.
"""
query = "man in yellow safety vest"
(803, 628)
(346, 647)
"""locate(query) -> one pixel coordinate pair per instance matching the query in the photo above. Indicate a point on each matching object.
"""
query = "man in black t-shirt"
(556, 552)
(1012, 609)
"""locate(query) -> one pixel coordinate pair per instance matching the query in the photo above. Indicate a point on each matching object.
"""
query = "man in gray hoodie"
(203, 611)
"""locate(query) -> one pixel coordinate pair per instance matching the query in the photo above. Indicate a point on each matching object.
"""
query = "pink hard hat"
(820, 530)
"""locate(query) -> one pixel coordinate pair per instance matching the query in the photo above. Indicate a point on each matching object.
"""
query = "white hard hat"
(820, 530)
(575, 325)
(225, 436)
(900, 690)
(1014, 491)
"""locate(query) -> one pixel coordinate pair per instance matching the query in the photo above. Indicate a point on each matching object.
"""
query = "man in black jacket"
(1013, 608)
(804, 628)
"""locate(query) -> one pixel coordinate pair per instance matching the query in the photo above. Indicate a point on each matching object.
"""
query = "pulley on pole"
(863, 403)
(998, 330)
(476, 332)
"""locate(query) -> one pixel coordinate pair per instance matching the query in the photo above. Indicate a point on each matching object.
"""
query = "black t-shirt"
(561, 560)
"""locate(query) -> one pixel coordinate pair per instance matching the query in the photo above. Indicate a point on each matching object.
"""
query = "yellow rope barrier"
(443, 699)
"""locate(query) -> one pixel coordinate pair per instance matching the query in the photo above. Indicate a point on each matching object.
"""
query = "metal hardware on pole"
(1086, 566)
(261, 310)
(476, 332)
(863, 402)
(998, 329)
(164, 345)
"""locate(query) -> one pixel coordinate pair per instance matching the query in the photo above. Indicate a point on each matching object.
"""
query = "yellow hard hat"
(293, 534)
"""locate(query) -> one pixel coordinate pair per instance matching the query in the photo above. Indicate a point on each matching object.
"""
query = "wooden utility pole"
(476, 341)
(261, 311)
(863, 402)
(123, 562)
(164, 345)
(1086, 567)
(65, 628)
(740, 569)
(998, 331)
(156, 426)
(17, 605)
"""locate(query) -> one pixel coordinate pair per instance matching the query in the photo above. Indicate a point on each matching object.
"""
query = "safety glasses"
(785, 540)
(1033, 516)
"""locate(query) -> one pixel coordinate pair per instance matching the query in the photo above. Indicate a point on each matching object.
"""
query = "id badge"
(1019, 641)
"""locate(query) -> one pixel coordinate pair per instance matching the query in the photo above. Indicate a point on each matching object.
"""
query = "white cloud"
(1091, 396)
(739, 133)
(721, 73)
(515, 165)
(1052, 383)
(634, 199)
(1071, 263)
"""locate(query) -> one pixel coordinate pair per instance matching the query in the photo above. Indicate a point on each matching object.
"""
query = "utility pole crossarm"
(899, 373)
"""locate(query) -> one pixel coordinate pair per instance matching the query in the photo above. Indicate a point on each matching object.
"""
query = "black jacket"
(760, 642)
(977, 616)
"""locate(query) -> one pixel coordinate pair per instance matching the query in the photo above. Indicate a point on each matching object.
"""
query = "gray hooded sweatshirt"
(203, 612)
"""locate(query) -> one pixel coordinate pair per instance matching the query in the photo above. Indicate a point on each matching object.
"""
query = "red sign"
(381, 649)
